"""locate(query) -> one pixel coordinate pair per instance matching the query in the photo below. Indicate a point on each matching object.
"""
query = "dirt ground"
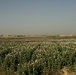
(66, 72)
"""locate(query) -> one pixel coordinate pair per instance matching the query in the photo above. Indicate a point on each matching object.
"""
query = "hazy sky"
(37, 16)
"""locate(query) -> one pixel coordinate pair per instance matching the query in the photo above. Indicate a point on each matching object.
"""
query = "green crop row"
(36, 58)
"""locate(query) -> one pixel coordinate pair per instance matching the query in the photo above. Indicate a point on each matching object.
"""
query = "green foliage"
(35, 58)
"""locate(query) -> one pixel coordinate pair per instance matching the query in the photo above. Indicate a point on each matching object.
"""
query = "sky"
(40, 17)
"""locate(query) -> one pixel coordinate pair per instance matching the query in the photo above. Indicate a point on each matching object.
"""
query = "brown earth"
(67, 72)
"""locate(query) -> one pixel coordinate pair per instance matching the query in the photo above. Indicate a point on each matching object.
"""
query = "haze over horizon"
(37, 17)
